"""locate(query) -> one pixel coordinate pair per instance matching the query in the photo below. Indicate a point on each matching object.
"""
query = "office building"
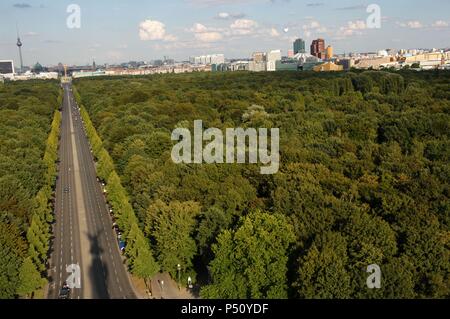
(347, 64)
(287, 65)
(299, 46)
(6, 67)
(272, 57)
(258, 63)
(318, 48)
(208, 59)
(259, 57)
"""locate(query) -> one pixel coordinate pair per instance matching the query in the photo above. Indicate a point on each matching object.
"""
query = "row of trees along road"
(28, 169)
(139, 256)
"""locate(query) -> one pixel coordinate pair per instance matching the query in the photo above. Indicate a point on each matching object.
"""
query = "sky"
(112, 31)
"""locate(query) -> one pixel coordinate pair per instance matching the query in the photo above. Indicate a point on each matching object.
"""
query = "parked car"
(122, 245)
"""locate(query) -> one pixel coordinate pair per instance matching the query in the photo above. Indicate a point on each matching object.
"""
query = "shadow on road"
(98, 273)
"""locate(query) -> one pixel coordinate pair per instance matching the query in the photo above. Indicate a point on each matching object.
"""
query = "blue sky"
(118, 30)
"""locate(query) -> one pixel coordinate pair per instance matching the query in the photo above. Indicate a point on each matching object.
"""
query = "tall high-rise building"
(318, 48)
(299, 46)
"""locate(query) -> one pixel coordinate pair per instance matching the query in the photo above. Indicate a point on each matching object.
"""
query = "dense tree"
(171, 227)
(322, 272)
(30, 278)
(251, 262)
(12, 253)
(141, 260)
(28, 154)
(363, 177)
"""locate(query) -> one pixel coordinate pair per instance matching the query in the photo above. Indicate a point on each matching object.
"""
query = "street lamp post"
(179, 276)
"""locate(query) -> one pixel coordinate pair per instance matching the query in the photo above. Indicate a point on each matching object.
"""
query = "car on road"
(64, 293)
(66, 189)
(122, 245)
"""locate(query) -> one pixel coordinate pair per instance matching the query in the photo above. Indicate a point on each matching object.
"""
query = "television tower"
(19, 45)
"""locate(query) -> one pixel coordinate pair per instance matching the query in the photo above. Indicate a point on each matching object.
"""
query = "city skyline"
(118, 31)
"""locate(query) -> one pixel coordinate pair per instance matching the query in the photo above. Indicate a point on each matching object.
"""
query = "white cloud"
(440, 24)
(314, 26)
(151, 30)
(223, 15)
(243, 26)
(322, 30)
(208, 36)
(205, 34)
(357, 25)
(228, 16)
(274, 33)
(31, 34)
(414, 24)
(238, 29)
(352, 28)
(198, 27)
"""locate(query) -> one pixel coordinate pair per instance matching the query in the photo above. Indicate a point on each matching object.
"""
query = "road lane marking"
(86, 257)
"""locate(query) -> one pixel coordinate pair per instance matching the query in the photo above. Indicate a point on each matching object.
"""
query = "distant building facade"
(258, 62)
(231, 66)
(318, 48)
(299, 46)
(328, 67)
(347, 64)
(374, 63)
(287, 65)
(208, 59)
(272, 57)
(329, 53)
(6, 67)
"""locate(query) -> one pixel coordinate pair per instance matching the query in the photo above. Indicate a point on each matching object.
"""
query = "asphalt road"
(83, 232)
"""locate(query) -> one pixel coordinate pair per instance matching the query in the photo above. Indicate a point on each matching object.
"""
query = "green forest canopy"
(364, 178)
(26, 113)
